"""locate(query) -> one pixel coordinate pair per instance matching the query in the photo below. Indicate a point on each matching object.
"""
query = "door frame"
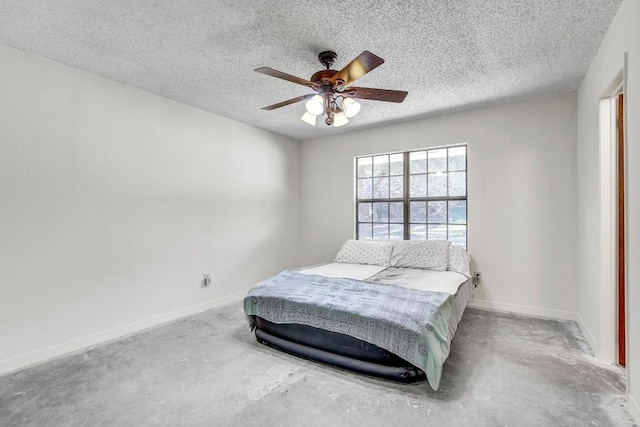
(608, 227)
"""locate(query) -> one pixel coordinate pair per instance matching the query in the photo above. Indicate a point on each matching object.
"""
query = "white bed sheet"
(346, 270)
(425, 280)
(446, 282)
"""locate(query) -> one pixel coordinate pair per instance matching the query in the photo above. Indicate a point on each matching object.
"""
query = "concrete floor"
(207, 369)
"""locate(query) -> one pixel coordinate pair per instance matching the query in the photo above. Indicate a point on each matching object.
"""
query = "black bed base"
(338, 350)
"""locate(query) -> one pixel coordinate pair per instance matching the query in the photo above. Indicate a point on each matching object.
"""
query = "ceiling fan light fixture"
(309, 118)
(339, 118)
(315, 105)
(351, 107)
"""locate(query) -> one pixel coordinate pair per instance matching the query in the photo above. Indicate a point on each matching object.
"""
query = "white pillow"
(424, 254)
(365, 252)
(459, 260)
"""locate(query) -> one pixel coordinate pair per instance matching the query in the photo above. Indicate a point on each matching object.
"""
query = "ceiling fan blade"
(376, 94)
(288, 102)
(357, 68)
(284, 76)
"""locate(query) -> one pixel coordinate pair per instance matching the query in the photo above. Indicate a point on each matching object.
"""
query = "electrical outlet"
(207, 280)
(477, 278)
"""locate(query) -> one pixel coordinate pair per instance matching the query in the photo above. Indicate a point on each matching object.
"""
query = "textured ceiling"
(449, 55)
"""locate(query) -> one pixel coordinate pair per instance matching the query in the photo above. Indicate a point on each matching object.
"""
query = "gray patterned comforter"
(410, 323)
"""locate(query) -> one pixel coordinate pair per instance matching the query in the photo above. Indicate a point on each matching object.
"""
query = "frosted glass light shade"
(340, 119)
(351, 107)
(309, 118)
(315, 105)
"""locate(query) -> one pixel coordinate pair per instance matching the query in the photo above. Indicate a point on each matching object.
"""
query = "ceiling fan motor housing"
(323, 77)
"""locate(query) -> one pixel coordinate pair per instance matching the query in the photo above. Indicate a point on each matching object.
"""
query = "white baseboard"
(588, 335)
(634, 408)
(46, 353)
(525, 309)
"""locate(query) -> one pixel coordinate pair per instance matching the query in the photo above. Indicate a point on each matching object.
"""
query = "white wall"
(522, 196)
(622, 37)
(114, 202)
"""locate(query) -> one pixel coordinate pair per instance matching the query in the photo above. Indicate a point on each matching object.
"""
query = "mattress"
(316, 342)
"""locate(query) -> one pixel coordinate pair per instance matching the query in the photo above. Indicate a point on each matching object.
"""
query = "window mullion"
(405, 191)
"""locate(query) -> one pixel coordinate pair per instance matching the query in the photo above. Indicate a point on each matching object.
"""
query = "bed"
(387, 309)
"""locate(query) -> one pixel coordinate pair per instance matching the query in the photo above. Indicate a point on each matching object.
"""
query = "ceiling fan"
(335, 97)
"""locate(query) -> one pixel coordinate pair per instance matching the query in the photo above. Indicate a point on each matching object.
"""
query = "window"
(413, 195)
